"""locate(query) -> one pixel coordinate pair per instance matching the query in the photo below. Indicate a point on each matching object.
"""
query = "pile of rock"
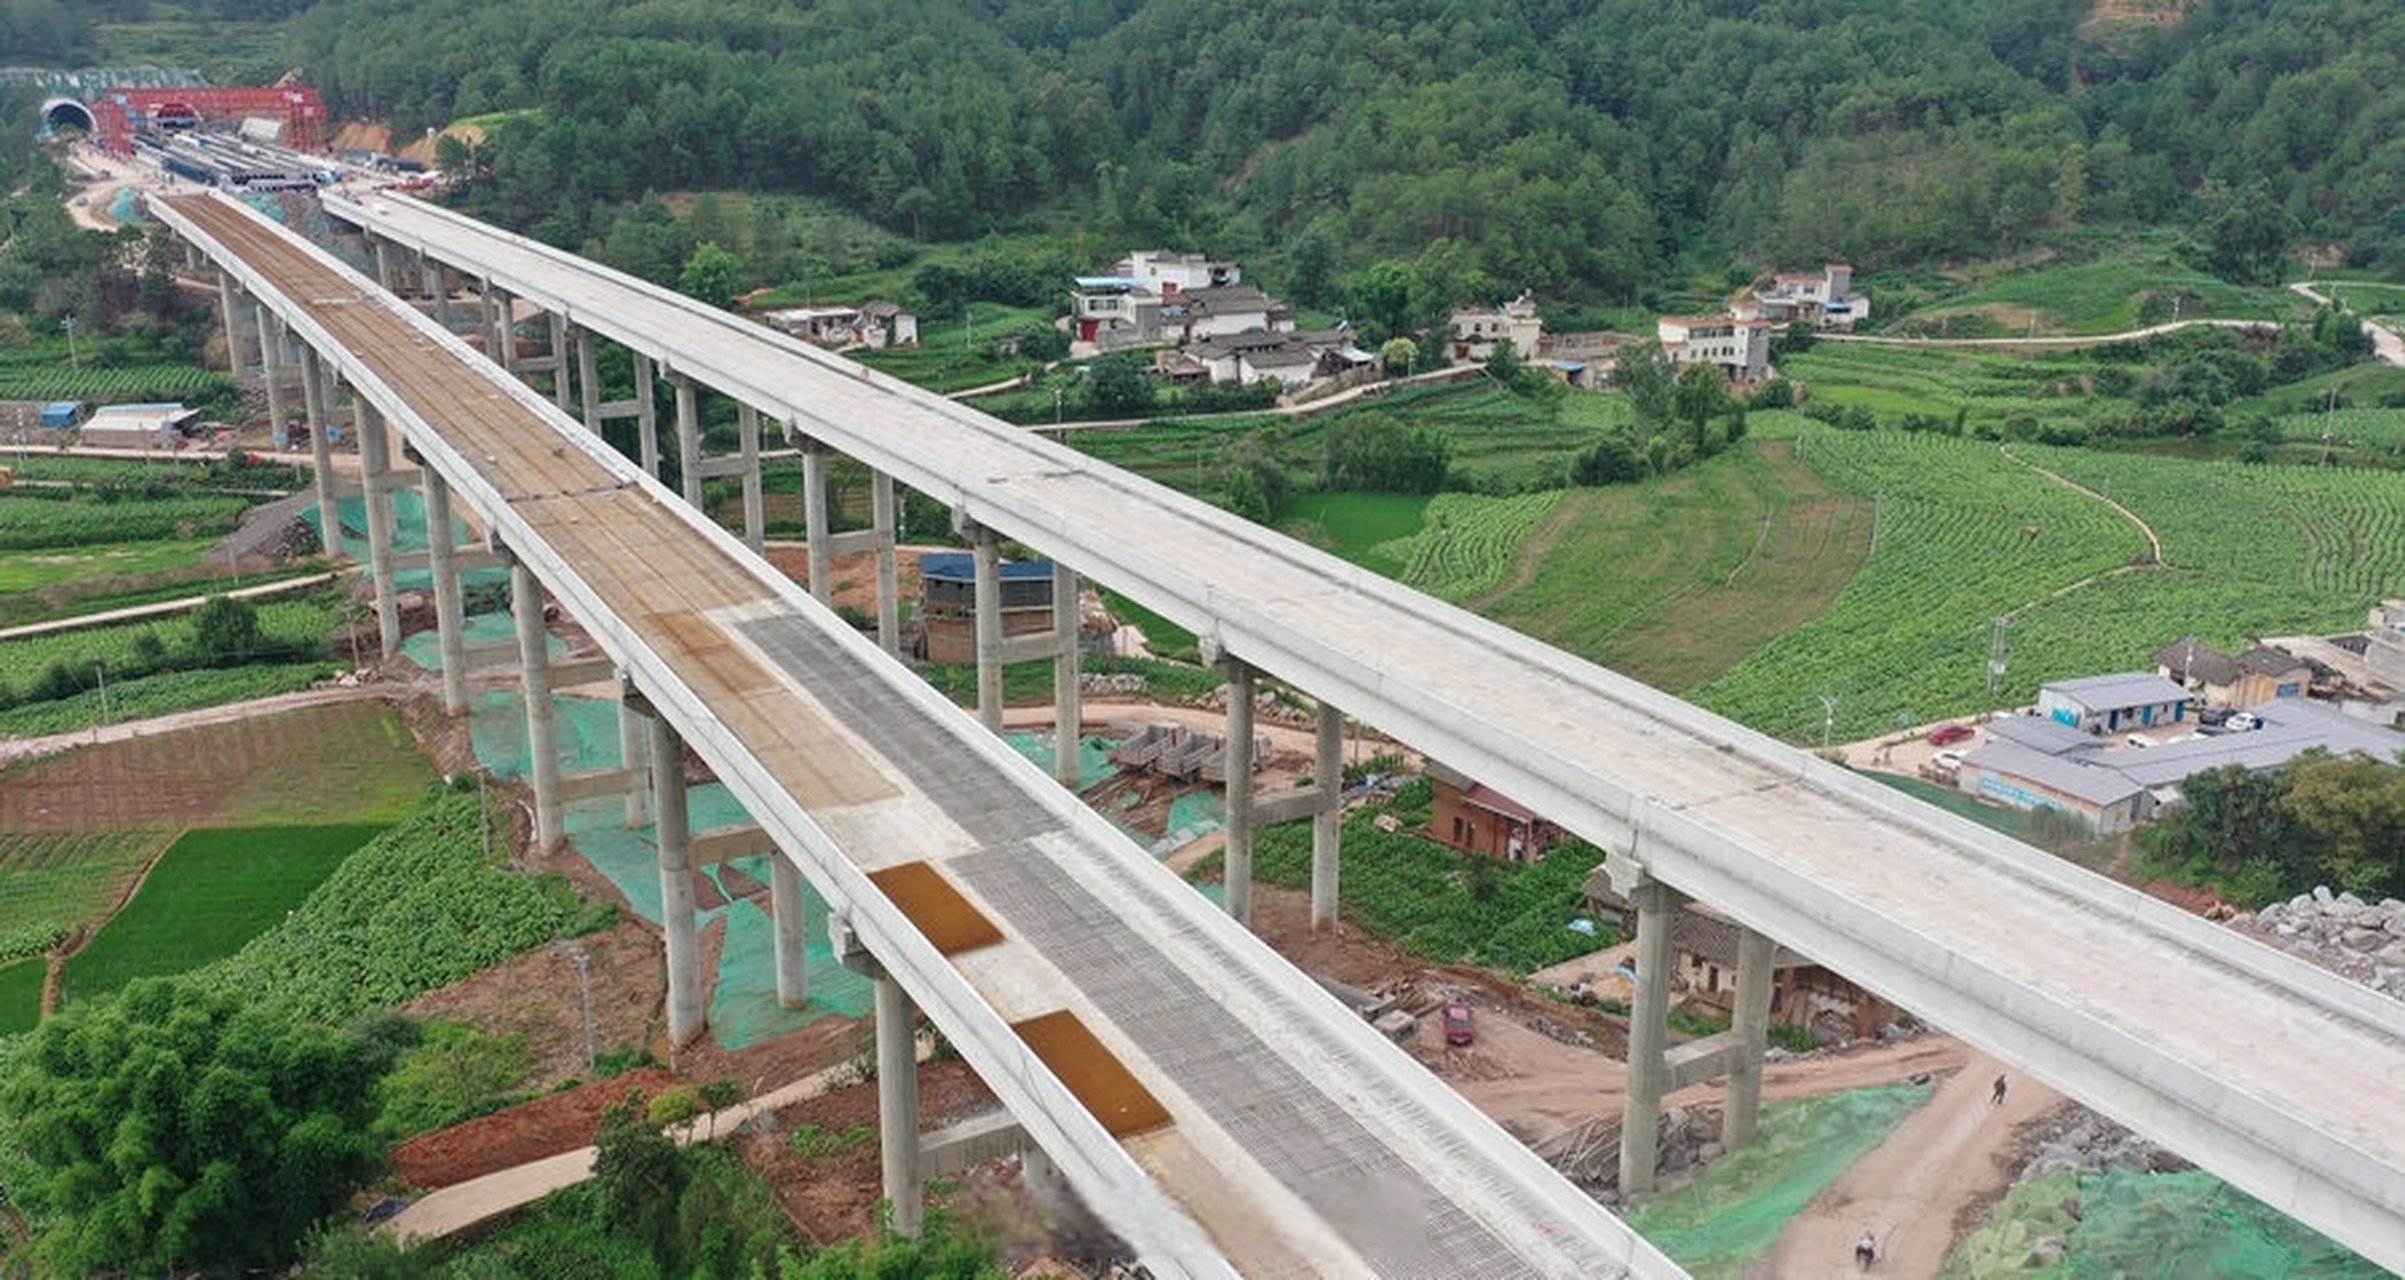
(2073, 1137)
(2340, 932)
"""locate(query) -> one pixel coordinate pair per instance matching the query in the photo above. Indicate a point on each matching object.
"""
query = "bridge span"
(2121, 1001)
(1224, 1114)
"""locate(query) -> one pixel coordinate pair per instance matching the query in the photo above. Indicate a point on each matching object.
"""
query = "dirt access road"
(1916, 1192)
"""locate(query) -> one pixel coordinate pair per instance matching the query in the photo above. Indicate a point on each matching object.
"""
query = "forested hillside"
(1579, 149)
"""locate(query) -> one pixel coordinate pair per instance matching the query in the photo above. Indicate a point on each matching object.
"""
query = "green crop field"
(59, 880)
(24, 572)
(1965, 533)
(188, 383)
(305, 620)
(1969, 532)
(21, 995)
(1467, 546)
(213, 891)
(382, 776)
(1985, 386)
(162, 694)
(42, 518)
(1355, 526)
(2111, 295)
(1677, 579)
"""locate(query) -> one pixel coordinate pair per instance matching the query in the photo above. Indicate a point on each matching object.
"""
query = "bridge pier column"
(588, 378)
(438, 291)
(988, 551)
(383, 251)
(556, 325)
(450, 622)
(375, 482)
(755, 507)
(500, 314)
(687, 1013)
(634, 752)
(688, 438)
(898, 1105)
(1657, 907)
(647, 413)
(889, 590)
(230, 309)
(1742, 1112)
(818, 524)
(316, 393)
(786, 907)
(1327, 824)
(1068, 710)
(542, 729)
(271, 371)
(1239, 832)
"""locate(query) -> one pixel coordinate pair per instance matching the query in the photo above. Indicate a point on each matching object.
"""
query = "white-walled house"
(1169, 274)
(1739, 348)
(1825, 299)
(1478, 330)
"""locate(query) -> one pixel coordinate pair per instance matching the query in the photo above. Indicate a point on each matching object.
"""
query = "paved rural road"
(161, 608)
(456, 1208)
(2389, 346)
(13, 750)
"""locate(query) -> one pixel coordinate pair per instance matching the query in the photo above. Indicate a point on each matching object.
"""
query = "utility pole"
(68, 323)
(1828, 718)
(1998, 640)
(100, 668)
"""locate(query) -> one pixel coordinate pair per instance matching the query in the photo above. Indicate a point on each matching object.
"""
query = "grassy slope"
(1678, 579)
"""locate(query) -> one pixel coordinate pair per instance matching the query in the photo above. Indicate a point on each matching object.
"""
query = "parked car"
(1947, 761)
(2242, 722)
(1946, 735)
(1459, 1030)
(2213, 715)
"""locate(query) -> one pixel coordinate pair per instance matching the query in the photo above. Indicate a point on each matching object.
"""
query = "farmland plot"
(57, 880)
(1965, 534)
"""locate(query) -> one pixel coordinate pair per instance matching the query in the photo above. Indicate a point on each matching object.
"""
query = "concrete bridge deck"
(1221, 1111)
(2125, 1003)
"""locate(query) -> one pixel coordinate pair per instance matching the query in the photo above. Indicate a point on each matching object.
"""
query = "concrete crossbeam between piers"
(594, 784)
(571, 672)
(735, 840)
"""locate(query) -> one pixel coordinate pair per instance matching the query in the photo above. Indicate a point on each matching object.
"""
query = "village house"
(1196, 314)
(2114, 703)
(1114, 312)
(2033, 762)
(2384, 649)
(947, 613)
(1475, 818)
(1169, 274)
(1477, 331)
(2254, 677)
(875, 324)
(1739, 348)
(1703, 946)
(1825, 300)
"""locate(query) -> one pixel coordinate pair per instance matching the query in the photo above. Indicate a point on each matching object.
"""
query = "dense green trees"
(180, 1125)
(2322, 820)
(1570, 148)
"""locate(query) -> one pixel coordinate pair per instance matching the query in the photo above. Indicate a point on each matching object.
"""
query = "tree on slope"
(176, 1126)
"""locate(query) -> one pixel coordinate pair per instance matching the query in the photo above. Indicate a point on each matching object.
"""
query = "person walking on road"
(1998, 1099)
(1866, 1250)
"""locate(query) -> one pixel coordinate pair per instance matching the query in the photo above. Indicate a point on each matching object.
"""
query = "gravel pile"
(2340, 932)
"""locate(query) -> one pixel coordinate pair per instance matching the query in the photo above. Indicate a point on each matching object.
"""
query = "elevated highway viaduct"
(2118, 1000)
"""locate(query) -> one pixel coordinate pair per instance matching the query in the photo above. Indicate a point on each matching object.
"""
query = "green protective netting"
(2134, 1225)
(1093, 754)
(425, 648)
(409, 534)
(1191, 817)
(1732, 1214)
